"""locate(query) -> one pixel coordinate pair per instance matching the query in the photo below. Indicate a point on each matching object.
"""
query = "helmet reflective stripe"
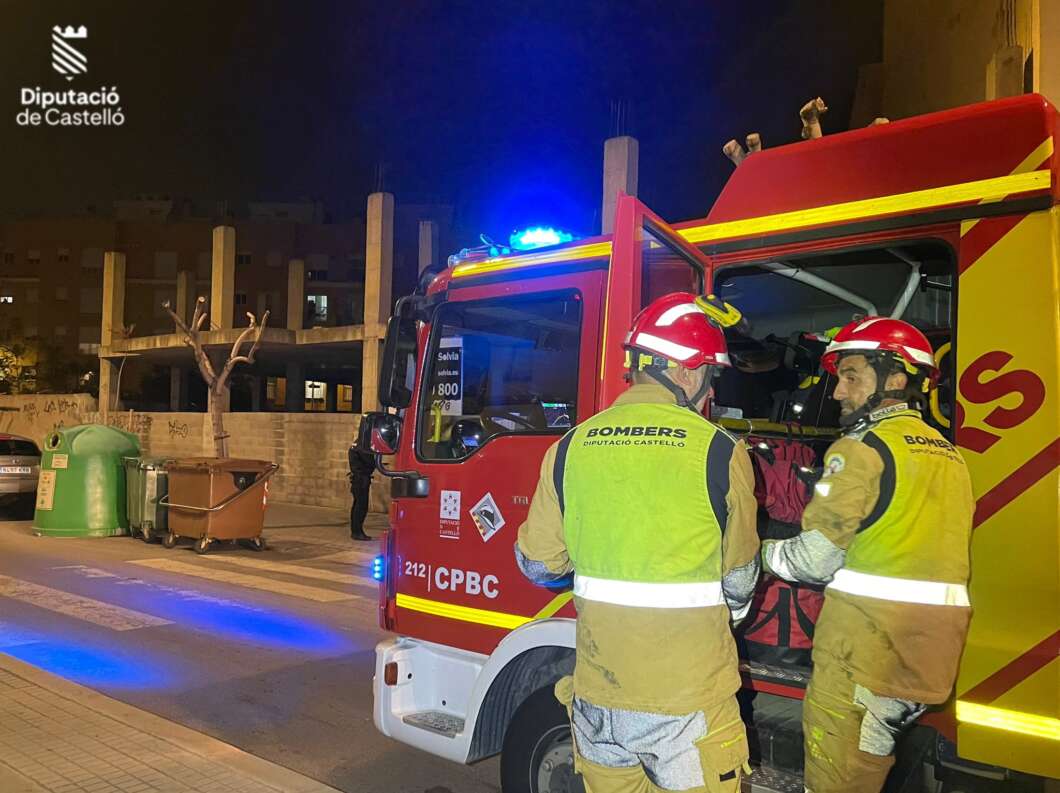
(901, 590)
(649, 595)
(722, 358)
(867, 324)
(920, 356)
(668, 349)
(671, 315)
(839, 346)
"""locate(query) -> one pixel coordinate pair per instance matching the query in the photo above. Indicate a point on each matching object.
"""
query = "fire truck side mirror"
(379, 433)
(397, 370)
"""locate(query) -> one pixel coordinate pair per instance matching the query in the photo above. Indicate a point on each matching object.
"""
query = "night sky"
(500, 108)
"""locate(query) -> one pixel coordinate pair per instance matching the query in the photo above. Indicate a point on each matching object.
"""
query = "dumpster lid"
(217, 464)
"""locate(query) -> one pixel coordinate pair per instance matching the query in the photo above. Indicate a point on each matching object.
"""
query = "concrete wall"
(310, 447)
(938, 55)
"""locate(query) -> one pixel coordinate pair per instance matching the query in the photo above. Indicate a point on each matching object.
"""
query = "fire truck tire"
(537, 756)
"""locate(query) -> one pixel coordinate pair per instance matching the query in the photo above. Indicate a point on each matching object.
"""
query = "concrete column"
(185, 287)
(378, 260)
(620, 173)
(428, 244)
(257, 386)
(108, 386)
(331, 397)
(378, 272)
(1004, 73)
(295, 389)
(295, 293)
(223, 278)
(372, 351)
(113, 298)
(178, 389)
(111, 327)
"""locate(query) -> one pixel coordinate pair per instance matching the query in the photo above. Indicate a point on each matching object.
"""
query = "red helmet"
(677, 328)
(883, 334)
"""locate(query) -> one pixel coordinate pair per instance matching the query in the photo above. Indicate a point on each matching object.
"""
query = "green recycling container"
(146, 482)
(81, 490)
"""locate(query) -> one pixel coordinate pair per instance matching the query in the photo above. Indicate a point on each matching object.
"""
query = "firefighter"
(652, 507)
(888, 529)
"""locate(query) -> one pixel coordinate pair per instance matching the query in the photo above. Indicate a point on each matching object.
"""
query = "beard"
(846, 407)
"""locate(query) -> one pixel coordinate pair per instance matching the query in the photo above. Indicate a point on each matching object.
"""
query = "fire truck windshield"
(499, 366)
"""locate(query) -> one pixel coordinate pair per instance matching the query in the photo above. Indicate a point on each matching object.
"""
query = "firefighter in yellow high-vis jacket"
(652, 507)
(888, 530)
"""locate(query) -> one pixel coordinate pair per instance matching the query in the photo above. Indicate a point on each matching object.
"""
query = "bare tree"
(217, 382)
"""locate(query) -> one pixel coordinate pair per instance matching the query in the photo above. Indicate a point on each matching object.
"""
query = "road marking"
(347, 557)
(250, 581)
(296, 569)
(97, 612)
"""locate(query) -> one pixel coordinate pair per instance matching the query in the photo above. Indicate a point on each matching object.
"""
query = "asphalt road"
(272, 652)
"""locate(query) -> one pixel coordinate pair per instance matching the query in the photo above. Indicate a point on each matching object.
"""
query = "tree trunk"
(216, 403)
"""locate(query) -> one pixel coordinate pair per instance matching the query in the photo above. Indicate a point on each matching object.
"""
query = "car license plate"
(15, 469)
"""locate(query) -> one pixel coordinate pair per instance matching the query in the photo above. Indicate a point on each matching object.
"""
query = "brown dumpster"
(217, 498)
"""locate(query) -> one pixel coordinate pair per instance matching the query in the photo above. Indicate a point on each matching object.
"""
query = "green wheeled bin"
(147, 484)
(81, 490)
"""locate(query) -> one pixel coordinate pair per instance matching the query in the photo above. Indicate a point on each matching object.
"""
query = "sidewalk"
(60, 737)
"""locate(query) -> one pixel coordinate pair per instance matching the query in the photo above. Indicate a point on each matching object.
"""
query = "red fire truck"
(949, 221)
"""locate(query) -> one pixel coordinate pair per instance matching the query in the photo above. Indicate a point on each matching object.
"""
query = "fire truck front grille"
(436, 721)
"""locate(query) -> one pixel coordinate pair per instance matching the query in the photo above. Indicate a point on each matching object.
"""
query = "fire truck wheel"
(538, 754)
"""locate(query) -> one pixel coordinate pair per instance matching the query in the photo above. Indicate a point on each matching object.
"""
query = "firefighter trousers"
(850, 733)
(623, 751)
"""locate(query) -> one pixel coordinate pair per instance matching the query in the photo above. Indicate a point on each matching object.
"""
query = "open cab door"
(648, 260)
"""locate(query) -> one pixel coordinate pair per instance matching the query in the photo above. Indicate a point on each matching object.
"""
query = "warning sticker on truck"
(487, 517)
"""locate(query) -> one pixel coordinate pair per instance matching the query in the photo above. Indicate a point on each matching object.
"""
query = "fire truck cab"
(948, 221)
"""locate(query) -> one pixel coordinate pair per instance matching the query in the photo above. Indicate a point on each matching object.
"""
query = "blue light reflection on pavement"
(86, 662)
(259, 626)
(228, 619)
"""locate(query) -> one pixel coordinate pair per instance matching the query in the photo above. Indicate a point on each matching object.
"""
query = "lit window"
(315, 392)
(317, 308)
(7, 298)
(88, 348)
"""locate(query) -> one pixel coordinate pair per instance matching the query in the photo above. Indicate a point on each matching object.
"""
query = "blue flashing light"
(379, 568)
(538, 237)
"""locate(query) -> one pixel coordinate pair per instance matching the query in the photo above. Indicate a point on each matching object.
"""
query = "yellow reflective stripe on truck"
(983, 191)
(1009, 720)
(495, 619)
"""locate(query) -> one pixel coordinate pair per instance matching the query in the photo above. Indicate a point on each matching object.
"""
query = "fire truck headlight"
(379, 568)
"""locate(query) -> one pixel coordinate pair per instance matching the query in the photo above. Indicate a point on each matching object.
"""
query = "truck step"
(436, 721)
(772, 780)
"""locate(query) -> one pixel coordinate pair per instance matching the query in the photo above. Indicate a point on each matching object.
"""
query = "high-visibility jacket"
(896, 613)
(653, 505)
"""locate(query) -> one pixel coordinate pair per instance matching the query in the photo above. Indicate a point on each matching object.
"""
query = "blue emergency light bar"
(538, 237)
(379, 568)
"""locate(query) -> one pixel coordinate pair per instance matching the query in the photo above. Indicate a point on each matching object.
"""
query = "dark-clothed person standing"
(362, 466)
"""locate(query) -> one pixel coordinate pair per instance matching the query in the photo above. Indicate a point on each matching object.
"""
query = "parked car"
(19, 469)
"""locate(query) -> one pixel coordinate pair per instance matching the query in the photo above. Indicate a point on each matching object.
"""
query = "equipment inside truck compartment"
(778, 399)
(793, 306)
